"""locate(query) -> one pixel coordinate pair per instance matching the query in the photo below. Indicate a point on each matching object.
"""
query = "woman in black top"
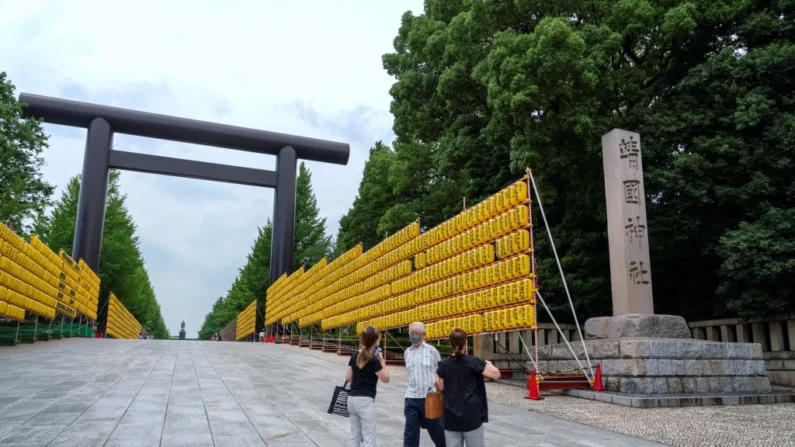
(363, 371)
(465, 407)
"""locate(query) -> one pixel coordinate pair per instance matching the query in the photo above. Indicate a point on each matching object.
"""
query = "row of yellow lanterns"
(500, 272)
(490, 230)
(505, 199)
(513, 318)
(499, 214)
(33, 282)
(315, 311)
(363, 279)
(121, 323)
(246, 321)
(502, 295)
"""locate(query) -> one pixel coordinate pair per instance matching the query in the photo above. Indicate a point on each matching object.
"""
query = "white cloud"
(310, 68)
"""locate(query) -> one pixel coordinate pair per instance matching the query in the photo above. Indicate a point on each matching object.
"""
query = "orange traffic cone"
(533, 392)
(597, 381)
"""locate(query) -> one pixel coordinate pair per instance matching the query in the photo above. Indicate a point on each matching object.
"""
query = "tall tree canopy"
(487, 88)
(23, 193)
(310, 245)
(121, 267)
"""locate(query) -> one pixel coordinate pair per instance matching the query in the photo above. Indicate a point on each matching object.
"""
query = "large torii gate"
(103, 121)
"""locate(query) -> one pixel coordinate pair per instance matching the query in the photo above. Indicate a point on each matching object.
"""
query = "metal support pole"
(93, 194)
(533, 272)
(560, 269)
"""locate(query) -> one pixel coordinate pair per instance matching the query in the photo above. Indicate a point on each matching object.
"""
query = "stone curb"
(682, 401)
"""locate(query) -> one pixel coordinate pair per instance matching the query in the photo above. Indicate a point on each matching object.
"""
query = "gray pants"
(472, 438)
(362, 414)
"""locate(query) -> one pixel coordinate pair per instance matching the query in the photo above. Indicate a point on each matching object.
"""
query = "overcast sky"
(309, 68)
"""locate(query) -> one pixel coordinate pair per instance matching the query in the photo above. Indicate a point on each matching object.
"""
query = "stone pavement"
(87, 392)
(717, 426)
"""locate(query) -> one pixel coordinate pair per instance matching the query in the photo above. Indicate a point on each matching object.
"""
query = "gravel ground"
(736, 425)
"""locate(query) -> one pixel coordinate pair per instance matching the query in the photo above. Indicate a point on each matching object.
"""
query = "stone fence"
(506, 351)
(775, 334)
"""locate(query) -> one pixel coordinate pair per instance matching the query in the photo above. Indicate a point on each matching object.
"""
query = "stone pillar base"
(637, 325)
(665, 366)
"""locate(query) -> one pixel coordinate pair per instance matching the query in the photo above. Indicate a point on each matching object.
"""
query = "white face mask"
(415, 338)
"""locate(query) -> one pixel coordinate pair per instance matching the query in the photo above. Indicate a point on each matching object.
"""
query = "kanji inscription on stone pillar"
(627, 230)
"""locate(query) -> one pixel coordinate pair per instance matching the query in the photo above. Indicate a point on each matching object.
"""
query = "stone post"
(743, 333)
(726, 334)
(542, 338)
(499, 343)
(776, 336)
(758, 331)
(483, 345)
(552, 336)
(527, 337)
(514, 344)
(627, 230)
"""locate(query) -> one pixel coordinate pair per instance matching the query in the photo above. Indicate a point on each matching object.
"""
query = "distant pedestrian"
(421, 360)
(465, 406)
(364, 369)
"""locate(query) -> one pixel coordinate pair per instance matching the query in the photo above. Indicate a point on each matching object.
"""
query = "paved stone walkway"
(87, 392)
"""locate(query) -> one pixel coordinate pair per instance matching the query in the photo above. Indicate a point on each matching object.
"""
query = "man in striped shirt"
(422, 360)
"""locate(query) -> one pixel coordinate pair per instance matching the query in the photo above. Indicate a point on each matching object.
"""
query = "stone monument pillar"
(640, 352)
(627, 232)
(182, 331)
(630, 268)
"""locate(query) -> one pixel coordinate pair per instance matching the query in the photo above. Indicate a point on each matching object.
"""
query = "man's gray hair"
(418, 323)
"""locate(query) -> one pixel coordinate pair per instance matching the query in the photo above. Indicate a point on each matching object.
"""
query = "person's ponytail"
(367, 339)
(458, 341)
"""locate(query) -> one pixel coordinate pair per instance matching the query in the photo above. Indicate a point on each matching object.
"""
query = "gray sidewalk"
(88, 392)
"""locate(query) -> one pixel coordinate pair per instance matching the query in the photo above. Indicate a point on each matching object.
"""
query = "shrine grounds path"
(90, 392)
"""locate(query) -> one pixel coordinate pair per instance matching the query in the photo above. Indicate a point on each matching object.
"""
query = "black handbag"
(339, 402)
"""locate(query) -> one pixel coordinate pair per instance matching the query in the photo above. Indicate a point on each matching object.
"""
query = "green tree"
(721, 151)
(311, 243)
(398, 186)
(24, 195)
(121, 263)
(758, 262)
(485, 89)
(215, 320)
(361, 223)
